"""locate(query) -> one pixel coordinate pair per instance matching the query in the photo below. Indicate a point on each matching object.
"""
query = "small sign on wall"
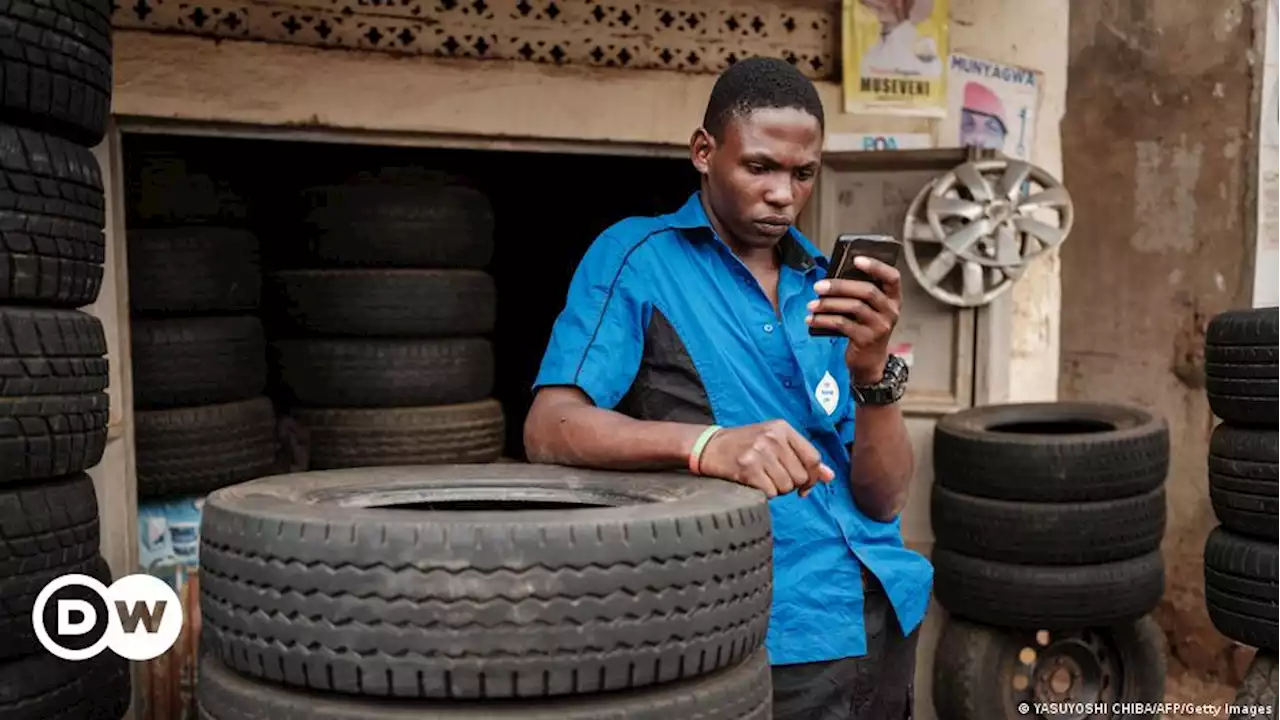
(845, 142)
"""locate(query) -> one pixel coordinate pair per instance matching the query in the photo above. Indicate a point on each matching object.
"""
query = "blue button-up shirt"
(664, 322)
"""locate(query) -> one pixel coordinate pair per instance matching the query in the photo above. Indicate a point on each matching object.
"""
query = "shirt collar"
(797, 251)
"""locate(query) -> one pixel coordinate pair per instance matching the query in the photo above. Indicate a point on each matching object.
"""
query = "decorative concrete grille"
(693, 36)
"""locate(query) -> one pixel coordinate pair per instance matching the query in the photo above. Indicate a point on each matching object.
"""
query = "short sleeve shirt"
(664, 322)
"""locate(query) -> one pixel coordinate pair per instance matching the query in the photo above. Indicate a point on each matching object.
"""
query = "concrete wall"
(1156, 142)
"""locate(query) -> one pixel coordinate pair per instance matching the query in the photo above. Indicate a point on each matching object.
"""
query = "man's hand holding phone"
(770, 456)
(864, 310)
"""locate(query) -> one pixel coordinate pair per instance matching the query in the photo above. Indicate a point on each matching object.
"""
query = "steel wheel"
(1073, 667)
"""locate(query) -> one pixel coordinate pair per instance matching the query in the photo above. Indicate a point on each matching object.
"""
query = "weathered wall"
(1155, 139)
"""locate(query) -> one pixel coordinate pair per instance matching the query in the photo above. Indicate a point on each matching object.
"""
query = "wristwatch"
(890, 388)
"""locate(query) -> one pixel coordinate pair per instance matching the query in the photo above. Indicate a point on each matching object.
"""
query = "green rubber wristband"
(695, 456)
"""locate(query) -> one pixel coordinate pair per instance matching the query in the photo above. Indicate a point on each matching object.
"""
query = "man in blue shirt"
(685, 343)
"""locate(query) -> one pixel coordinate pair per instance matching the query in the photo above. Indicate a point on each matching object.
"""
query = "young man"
(677, 325)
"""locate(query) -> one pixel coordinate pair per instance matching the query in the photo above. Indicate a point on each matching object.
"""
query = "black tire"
(1047, 597)
(184, 362)
(303, 584)
(51, 218)
(55, 67)
(1241, 366)
(443, 434)
(441, 226)
(51, 352)
(192, 451)
(1026, 533)
(1243, 479)
(1051, 452)
(975, 666)
(17, 601)
(741, 692)
(193, 269)
(1240, 578)
(336, 373)
(53, 415)
(165, 190)
(47, 525)
(42, 687)
(1257, 697)
(388, 303)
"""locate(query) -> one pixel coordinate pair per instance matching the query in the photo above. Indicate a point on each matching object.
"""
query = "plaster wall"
(1159, 135)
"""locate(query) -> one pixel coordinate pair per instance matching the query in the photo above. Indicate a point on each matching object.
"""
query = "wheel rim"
(970, 233)
(1070, 667)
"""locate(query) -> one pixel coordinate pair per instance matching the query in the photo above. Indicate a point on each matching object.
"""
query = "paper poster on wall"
(991, 105)
(894, 56)
(843, 142)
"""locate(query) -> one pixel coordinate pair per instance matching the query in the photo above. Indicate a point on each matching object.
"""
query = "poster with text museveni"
(895, 57)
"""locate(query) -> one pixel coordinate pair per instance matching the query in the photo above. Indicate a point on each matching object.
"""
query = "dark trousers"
(877, 686)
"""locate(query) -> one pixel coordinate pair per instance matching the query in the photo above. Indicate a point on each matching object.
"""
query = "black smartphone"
(884, 248)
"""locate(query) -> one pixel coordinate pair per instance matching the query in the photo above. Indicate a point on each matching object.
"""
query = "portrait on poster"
(894, 57)
(991, 105)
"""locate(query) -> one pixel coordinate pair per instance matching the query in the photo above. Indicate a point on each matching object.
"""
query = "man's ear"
(701, 146)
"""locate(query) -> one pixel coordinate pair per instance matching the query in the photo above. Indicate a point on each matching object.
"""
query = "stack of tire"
(1241, 554)
(55, 61)
(382, 345)
(1048, 519)
(199, 351)
(485, 591)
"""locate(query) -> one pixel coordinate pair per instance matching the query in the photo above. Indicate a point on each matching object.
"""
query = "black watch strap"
(891, 387)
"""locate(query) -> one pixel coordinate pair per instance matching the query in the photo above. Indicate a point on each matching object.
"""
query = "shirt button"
(786, 383)
(768, 328)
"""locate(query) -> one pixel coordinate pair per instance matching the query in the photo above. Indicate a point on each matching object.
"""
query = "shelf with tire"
(55, 59)
(1241, 554)
(382, 343)
(1048, 519)
(508, 592)
(202, 419)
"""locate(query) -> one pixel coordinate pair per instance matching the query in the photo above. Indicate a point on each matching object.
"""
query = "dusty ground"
(1183, 687)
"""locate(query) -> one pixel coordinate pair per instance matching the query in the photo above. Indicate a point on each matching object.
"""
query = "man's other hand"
(771, 457)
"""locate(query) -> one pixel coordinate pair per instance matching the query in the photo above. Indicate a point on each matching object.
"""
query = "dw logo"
(139, 617)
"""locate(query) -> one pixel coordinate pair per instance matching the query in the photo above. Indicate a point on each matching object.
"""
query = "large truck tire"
(1240, 587)
(189, 361)
(387, 303)
(1047, 597)
(740, 692)
(385, 225)
(1051, 452)
(53, 413)
(340, 373)
(1241, 368)
(192, 451)
(1027, 533)
(975, 668)
(55, 67)
(483, 581)
(193, 270)
(443, 434)
(52, 210)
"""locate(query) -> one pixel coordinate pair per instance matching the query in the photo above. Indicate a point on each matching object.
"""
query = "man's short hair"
(755, 83)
